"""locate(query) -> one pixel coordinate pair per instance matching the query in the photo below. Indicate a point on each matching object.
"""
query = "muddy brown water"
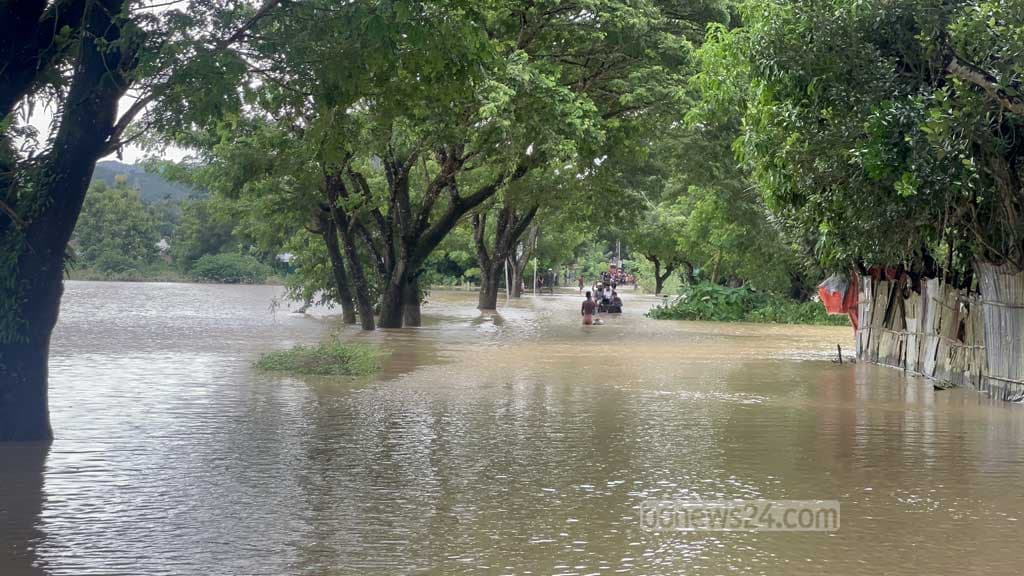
(510, 443)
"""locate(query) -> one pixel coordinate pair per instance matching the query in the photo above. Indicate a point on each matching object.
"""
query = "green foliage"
(230, 269)
(707, 301)
(157, 271)
(332, 358)
(205, 227)
(878, 130)
(116, 231)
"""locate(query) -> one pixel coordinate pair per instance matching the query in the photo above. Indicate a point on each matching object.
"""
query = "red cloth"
(843, 302)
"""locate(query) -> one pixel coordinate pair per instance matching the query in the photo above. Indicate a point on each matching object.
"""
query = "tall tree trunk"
(658, 278)
(516, 271)
(411, 303)
(391, 298)
(329, 232)
(33, 289)
(490, 284)
(24, 412)
(510, 226)
(519, 261)
(341, 224)
(691, 278)
(359, 283)
(488, 294)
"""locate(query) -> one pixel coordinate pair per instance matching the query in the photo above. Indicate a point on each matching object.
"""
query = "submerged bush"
(332, 358)
(231, 269)
(719, 303)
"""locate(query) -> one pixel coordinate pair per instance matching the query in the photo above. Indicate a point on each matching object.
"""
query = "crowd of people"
(617, 277)
(602, 298)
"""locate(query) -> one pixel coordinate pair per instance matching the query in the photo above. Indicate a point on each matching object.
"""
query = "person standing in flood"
(587, 309)
(580, 282)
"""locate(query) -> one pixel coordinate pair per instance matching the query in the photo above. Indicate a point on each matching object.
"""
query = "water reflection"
(21, 482)
(490, 443)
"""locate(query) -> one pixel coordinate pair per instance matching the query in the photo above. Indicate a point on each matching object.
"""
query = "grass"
(148, 273)
(331, 358)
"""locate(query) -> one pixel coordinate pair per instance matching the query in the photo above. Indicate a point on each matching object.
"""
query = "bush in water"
(231, 269)
(325, 359)
(719, 303)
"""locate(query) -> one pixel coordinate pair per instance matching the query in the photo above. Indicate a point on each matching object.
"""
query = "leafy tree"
(656, 238)
(83, 56)
(207, 227)
(885, 131)
(114, 221)
(500, 90)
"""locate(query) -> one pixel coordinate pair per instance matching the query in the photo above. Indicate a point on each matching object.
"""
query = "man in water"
(580, 282)
(587, 310)
(616, 304)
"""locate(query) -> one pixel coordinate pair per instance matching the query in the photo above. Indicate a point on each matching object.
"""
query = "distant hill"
(151, 187)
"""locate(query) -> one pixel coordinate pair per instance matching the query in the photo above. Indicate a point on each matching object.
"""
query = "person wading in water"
(587, 310)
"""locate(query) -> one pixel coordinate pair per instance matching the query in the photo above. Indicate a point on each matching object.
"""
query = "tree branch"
(987, 82)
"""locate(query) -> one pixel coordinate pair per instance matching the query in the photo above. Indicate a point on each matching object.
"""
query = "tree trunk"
(329, 231)
(391, 305)
(691, 278)
(391, 298)
(33, 290)
(517, 278)
(490, 283)
(659, 280)
(24, 412)
(355, 266)
(509, 227)
(519, 262)
(411, 303)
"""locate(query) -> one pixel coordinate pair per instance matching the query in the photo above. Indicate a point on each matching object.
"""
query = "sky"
(43, 116)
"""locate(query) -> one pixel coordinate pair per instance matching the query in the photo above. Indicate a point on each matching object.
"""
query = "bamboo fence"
(941, 332)
(1002, 302)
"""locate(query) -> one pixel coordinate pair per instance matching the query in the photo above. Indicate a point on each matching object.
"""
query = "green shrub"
(230, 269)
(719, 303)
(325, 359)
(114, 263)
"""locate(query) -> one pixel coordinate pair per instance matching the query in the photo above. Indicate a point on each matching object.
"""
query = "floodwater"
(518, 443)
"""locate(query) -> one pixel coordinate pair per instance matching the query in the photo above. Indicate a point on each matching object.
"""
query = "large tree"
(83, 55)
(887, 131)
(452, 103)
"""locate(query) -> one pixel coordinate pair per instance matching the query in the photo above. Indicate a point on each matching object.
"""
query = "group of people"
(617, 276)
(603, 298)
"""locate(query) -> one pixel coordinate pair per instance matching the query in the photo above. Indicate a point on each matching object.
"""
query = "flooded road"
(518, 443)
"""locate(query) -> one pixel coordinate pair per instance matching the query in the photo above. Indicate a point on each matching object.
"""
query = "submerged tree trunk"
(519, 261)
(340, 224)
(31, 282)
(510, 226)
(359, 282)
(329, 232)
(24, 412)
(411, 303)
(490, 284)
(391, 300)
(516, 272)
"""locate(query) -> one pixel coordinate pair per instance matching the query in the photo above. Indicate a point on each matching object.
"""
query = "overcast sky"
(43, 116)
